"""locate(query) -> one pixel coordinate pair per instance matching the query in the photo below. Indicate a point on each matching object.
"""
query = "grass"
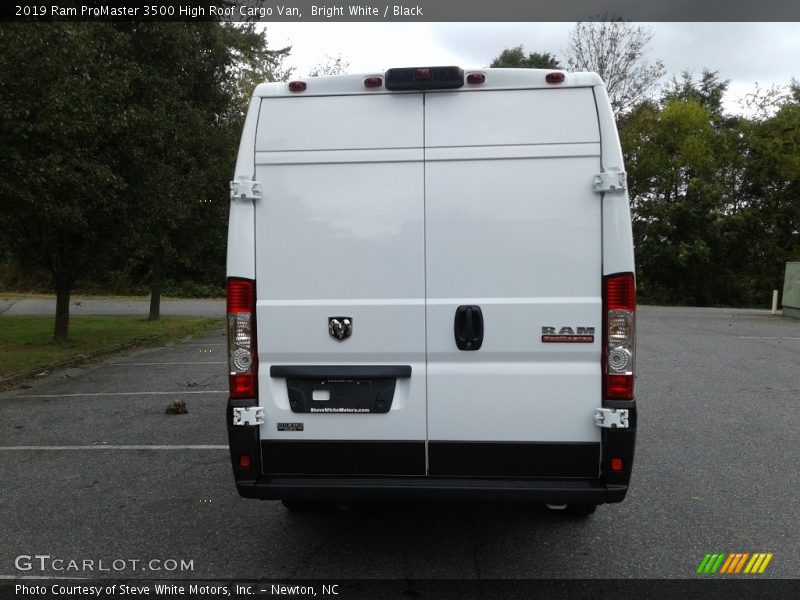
(78, 297)
(26, 342)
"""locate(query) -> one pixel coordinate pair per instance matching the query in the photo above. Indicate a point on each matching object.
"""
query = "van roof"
(495, 79)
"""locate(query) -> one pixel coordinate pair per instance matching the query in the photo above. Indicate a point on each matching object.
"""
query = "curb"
(71, 362)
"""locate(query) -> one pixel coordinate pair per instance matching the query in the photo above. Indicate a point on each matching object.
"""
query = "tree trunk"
(61, 331)
(155, 286)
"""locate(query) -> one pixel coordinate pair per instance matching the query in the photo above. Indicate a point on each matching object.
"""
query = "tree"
(688, 238)
(63, 105)
(772, 183)
(192, 85)
(331, 66)
(514, 58)
(615, 49)
(708, 91)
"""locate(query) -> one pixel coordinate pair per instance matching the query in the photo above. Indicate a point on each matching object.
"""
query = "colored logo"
(734, 563)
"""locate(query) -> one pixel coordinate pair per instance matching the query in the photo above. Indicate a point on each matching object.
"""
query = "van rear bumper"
(555, 491)
(552, 473)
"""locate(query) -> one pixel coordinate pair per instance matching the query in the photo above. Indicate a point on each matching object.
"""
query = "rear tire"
(298, 505)
(581, 509)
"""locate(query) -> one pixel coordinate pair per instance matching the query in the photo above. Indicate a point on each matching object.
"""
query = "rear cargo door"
(513, 245)
(340, 235)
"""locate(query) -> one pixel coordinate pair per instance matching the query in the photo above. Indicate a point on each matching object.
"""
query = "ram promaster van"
(431, 290)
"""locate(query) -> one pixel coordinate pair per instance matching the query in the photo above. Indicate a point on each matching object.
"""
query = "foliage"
(515, 58)
(615, 49)
(715, 199)
(119, 139)
(333, 65)
(63, 106)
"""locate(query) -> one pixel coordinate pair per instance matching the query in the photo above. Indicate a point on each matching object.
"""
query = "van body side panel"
(341, 234)
(514, 227)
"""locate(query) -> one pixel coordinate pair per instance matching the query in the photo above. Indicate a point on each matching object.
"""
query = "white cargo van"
(431, 290)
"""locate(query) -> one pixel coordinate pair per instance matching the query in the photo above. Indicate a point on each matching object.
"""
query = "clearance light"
(555, 77)
(297, 86)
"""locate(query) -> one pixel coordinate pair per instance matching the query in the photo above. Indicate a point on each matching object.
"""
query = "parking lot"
(93, 468)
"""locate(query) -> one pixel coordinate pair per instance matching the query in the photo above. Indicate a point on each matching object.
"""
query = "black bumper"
(333, 470)
(555, 491)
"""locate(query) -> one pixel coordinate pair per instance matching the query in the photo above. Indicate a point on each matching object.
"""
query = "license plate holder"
(351, 396)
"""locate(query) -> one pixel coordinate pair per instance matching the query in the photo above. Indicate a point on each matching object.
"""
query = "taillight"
(242, 352)
(619, 335)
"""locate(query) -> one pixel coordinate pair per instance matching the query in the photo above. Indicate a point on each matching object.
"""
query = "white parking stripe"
(122, 394)
(113, 447)
(768, 337)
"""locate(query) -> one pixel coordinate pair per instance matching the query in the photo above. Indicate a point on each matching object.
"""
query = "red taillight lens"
(616, 464)
(621, 292)
(619, 336)
(240, 296)
(476, 78)
(555, 77)
(297, 86)
(373, 82)
(242, 351)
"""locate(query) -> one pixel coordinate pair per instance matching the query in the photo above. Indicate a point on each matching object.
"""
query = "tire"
(298, 505)
(581, 509)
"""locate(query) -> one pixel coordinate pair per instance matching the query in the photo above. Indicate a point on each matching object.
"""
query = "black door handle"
(468, 327)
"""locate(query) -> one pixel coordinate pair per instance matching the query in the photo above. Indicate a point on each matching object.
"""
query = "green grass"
(26, 342)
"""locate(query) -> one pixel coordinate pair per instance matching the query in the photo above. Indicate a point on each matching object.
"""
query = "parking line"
(115, 447)
(768, 337)
(123, 394)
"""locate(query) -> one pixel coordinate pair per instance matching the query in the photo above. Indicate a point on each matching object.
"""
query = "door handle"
(468, 327)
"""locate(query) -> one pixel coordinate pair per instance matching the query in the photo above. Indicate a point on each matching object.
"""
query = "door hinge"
(252, 415)
(245, 190)
(610, 181)
(611, 418)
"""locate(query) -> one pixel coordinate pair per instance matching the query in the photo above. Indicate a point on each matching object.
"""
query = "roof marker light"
(476, 78)
(555, 77)
(297, 86)
(373, 82)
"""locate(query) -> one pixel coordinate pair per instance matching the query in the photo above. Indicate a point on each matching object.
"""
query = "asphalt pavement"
(94, 469)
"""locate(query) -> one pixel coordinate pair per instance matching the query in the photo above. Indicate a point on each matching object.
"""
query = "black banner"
(394, 10)
(704, 587)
